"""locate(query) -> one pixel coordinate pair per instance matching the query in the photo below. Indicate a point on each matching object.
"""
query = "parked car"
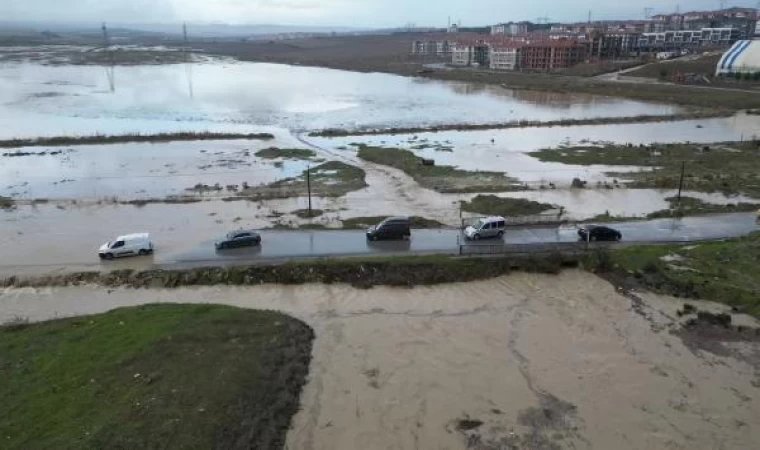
(127, 245)
(487, 227)
(240, 238)
(599, 233)
(390, 228)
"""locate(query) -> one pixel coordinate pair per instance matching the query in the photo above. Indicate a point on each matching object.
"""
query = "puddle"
(225, 95)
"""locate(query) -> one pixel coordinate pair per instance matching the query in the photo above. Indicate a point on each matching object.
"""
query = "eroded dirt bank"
(521, 361)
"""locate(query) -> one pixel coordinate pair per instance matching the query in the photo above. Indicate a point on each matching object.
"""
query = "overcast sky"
(352, 13)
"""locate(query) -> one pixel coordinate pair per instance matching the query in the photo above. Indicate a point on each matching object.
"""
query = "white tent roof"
(743, 56)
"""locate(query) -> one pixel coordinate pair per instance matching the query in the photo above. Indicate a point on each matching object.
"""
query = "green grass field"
(150, 377)
(728, 167)
(727, 272)
(505, 206)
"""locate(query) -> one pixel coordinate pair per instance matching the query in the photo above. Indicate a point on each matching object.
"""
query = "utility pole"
(188, 67)
(680, 183)
(308, 185)
(111, 63)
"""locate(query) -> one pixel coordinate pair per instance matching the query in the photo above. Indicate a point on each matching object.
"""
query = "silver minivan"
(487, 227)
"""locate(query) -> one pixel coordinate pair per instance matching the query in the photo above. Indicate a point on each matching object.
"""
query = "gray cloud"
(362, 13)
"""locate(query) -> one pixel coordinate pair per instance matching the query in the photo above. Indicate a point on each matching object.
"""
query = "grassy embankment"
(507, 207)
(286, 153)
(445, 179)
(695, 96)
(156, 376)
(415, 221)
(696, 114)
(730, 168)
(331, 179)
(361, 272)
(126, 138)
(727, 272)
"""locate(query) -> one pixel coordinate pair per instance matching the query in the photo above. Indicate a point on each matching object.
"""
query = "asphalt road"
(279, 245)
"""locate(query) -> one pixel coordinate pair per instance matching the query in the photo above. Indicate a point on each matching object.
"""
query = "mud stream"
(529, 361)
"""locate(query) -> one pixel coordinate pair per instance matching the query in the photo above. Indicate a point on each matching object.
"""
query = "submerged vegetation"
(286, 153)
(331, 179)
(6, 203)
(125, 138)
(444, 179)
(155, 376)
(729, 168)
(334, 132)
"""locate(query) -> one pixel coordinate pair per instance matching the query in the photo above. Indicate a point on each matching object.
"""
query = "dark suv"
(390, 228)
(599, 233)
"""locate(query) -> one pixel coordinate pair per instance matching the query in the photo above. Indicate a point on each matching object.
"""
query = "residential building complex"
(544, 47)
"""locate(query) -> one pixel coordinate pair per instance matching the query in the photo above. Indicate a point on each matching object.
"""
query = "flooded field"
(531, 361)
(38, 100)
(134, 171)
(505, 150)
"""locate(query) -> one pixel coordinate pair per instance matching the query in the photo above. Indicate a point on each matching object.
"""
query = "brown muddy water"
(531, 361)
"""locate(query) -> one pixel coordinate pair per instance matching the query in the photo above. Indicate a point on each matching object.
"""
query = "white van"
(127, 245)
(486, 227)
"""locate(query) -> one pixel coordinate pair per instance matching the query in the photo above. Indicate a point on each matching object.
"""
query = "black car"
(390, 228)
(240, 238)
(599, 233)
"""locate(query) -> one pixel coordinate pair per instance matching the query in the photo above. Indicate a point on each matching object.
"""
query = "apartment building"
(552, 54)
(511, 28)
(688, 39)
(441, 49)
(505, 56)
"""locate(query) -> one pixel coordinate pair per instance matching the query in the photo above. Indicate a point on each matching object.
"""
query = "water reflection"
(218, 94)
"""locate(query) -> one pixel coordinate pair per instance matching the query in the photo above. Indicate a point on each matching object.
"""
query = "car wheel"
(476, 237)
(500, 234)
(142, 252)
(109, 255)
(619, 237)
(592, 239)
(221, 246)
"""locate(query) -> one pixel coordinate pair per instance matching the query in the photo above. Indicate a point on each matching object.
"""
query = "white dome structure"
(742, 57)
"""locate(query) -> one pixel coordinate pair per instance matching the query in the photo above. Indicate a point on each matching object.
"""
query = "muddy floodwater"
(525, 361)
(37, 100)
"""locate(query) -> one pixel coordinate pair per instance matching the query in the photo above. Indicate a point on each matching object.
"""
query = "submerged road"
(279, 245)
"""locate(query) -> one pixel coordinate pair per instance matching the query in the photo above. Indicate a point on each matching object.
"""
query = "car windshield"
(479, 224)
